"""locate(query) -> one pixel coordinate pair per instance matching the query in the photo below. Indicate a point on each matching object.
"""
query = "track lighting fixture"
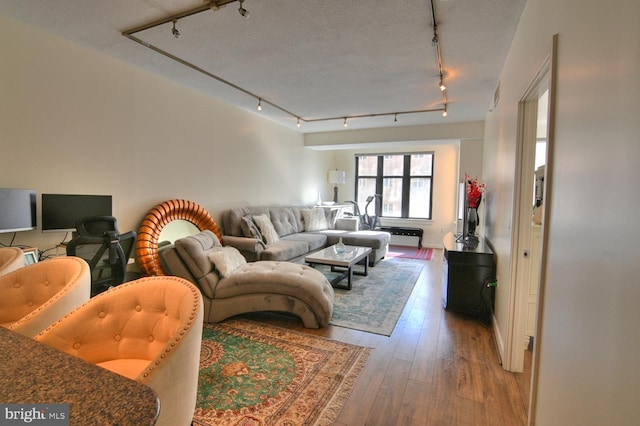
(174, 30)
(244, 12)
(214, 5)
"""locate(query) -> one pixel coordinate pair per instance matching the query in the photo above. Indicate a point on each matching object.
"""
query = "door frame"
(544, 79)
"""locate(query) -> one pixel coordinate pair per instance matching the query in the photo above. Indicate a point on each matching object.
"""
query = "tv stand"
(468, 277)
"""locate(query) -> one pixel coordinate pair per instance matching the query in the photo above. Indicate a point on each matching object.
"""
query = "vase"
(472, 221)
(340, 246)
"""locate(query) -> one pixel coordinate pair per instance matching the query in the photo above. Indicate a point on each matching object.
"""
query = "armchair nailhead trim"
(194, 312)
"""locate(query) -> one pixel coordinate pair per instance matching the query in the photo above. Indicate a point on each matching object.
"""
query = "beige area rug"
(375, 302)
(255, 374)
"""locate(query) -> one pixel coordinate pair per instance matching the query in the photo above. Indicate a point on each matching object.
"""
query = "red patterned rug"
(254, 374)
(408, 252)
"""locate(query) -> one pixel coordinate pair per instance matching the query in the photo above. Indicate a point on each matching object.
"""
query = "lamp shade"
(337, 176)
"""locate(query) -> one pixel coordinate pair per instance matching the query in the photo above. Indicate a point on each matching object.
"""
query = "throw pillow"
(314, 220)
(266, 228)
(249, 228)
(226, 260)
(332, 217)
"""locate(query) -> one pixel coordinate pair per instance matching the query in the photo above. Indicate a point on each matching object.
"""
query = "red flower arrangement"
(475, 188)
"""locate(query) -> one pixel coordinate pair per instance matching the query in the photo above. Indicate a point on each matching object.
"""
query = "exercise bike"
(367, 222)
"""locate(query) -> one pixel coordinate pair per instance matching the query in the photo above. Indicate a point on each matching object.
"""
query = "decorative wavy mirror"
(166, 222)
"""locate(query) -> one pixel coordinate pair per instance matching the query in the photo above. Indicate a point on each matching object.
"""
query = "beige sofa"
(291, 232)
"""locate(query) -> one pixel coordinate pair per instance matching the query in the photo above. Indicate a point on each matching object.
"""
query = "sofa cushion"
(266, 228)
(284, 249)
(226, 260)
(284, 220)
(314, 241)
(314, 220)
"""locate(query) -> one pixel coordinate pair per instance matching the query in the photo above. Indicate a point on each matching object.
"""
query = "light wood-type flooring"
(437, 367)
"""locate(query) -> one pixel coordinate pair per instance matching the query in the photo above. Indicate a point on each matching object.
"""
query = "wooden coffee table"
(342, 262)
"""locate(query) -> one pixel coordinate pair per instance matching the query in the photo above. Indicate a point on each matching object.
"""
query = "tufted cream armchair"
(149, 330)
(11, 258)
(35, 296)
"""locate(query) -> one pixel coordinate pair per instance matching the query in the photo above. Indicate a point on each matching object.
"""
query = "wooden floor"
(437, 368)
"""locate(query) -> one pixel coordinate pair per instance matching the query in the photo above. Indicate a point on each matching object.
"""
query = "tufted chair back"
(149, 330)
(35, 296)
(11, 258)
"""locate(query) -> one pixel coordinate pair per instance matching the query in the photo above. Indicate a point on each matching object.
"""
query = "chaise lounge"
(231, 286)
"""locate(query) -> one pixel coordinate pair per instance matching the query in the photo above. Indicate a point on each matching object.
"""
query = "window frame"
(381, 179)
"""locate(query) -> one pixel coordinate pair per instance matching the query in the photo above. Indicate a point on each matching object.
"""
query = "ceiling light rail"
(218, 4)
(262, 101)
(344, 118)
(435, 42)
(212, 5)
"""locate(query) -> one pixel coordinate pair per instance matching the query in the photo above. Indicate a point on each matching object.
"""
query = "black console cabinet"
(468, 277)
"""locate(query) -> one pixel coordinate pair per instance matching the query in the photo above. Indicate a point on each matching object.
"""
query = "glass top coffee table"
(342, 262)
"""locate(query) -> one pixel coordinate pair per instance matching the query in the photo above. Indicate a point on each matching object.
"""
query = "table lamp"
(336, 177)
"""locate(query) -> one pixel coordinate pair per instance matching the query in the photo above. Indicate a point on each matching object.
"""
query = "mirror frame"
(154, 222)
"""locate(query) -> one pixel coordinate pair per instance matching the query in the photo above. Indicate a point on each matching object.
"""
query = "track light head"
(345, 122)
(298, 123)
(259, 104)
(213, 5)
(442, 86)
(174, 30)
(241, 10)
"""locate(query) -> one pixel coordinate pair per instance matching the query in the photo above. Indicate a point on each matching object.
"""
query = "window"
(403, 181)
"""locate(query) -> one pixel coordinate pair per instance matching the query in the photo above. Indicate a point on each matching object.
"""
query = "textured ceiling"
(315, 59)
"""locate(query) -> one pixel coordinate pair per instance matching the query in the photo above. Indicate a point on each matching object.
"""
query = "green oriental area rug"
(255, 374)
(375, 302)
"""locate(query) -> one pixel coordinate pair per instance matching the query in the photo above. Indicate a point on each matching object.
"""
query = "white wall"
(588, 339)
(73, 121)
(78, 122)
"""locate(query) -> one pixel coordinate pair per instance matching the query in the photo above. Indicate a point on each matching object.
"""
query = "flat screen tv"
(17, 210)
(60, 212)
